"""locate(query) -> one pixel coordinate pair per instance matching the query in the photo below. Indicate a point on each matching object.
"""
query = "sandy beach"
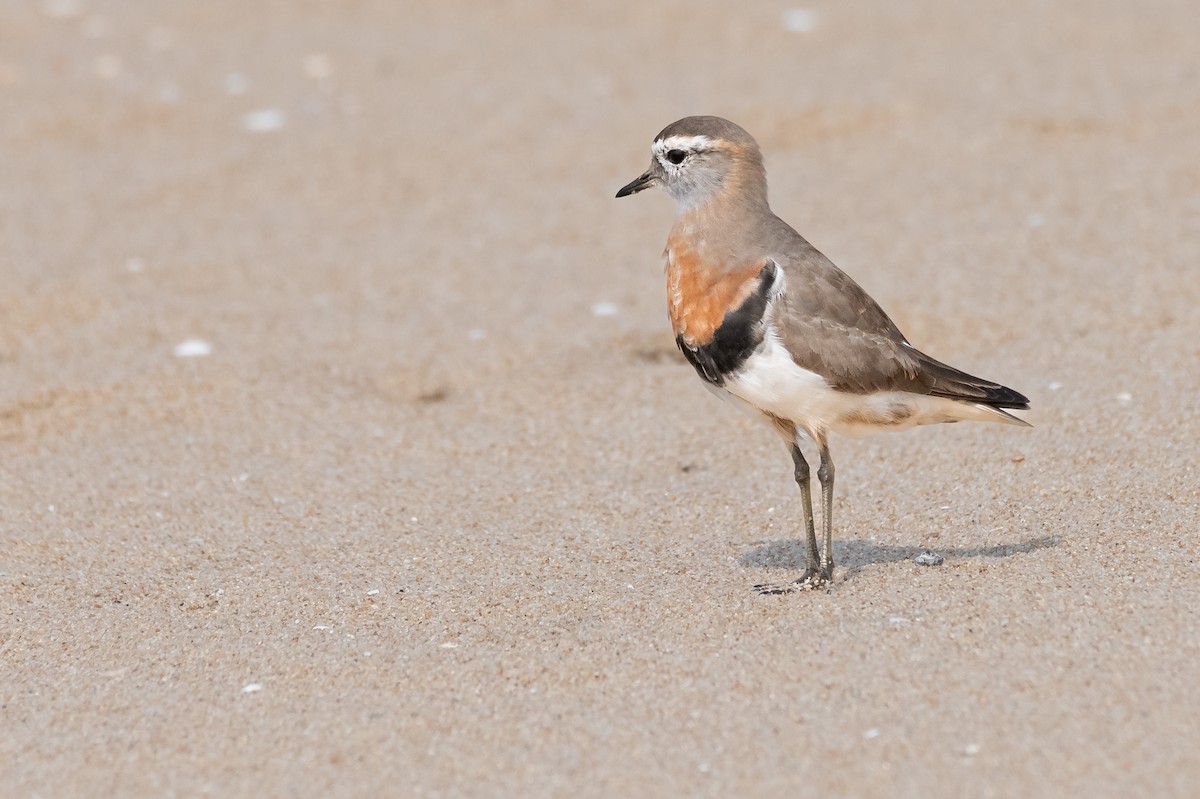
(347, 451)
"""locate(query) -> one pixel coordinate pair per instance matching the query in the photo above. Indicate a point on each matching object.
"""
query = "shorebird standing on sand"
(765, 318)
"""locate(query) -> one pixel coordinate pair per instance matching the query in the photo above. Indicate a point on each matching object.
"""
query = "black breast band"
(739, 335)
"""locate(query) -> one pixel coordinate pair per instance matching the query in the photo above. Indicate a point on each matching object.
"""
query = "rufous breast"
(701, 290)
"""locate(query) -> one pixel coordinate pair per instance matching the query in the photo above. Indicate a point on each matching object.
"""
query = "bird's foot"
(811, 580)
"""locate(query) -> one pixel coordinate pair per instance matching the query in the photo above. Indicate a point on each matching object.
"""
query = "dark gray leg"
(815, 574)
(825, 475)
(803, 480)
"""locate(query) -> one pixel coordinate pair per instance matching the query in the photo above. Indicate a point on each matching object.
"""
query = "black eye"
(676, 156)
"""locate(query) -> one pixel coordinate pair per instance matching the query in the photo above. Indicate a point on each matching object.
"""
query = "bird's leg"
(810, 532)
(825, 475)
(814, 574)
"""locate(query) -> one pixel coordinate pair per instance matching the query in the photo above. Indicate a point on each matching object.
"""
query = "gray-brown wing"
(832, 327)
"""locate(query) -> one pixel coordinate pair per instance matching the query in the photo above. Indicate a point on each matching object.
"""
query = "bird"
(768, 321)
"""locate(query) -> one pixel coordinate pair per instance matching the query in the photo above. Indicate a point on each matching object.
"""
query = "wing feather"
(832, 327)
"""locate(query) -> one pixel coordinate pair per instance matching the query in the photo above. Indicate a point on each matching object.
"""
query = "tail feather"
(994, 414)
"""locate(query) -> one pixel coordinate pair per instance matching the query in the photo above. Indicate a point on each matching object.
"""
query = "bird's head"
(699, 158)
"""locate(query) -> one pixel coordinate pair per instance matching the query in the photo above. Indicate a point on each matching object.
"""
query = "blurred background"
(305, 300)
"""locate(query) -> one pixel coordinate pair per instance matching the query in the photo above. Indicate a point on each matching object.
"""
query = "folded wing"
(832, 327)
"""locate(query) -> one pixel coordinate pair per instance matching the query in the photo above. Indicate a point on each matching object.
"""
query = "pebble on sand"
(799, 20)
(62, 9)
(193, 348)
(264, 120)
(929, 558)
(605, 309)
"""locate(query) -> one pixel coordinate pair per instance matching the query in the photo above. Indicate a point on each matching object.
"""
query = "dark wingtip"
(946, 381)
(1005, 397)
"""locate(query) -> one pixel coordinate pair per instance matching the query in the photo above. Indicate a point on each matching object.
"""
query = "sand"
(345, 449)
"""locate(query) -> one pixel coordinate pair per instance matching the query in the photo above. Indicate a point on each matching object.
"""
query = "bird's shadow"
(856, 554)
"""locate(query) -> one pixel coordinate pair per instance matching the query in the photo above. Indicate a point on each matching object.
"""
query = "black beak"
(645, 181)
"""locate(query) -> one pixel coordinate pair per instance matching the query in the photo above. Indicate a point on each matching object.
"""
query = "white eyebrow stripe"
(687, 143)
